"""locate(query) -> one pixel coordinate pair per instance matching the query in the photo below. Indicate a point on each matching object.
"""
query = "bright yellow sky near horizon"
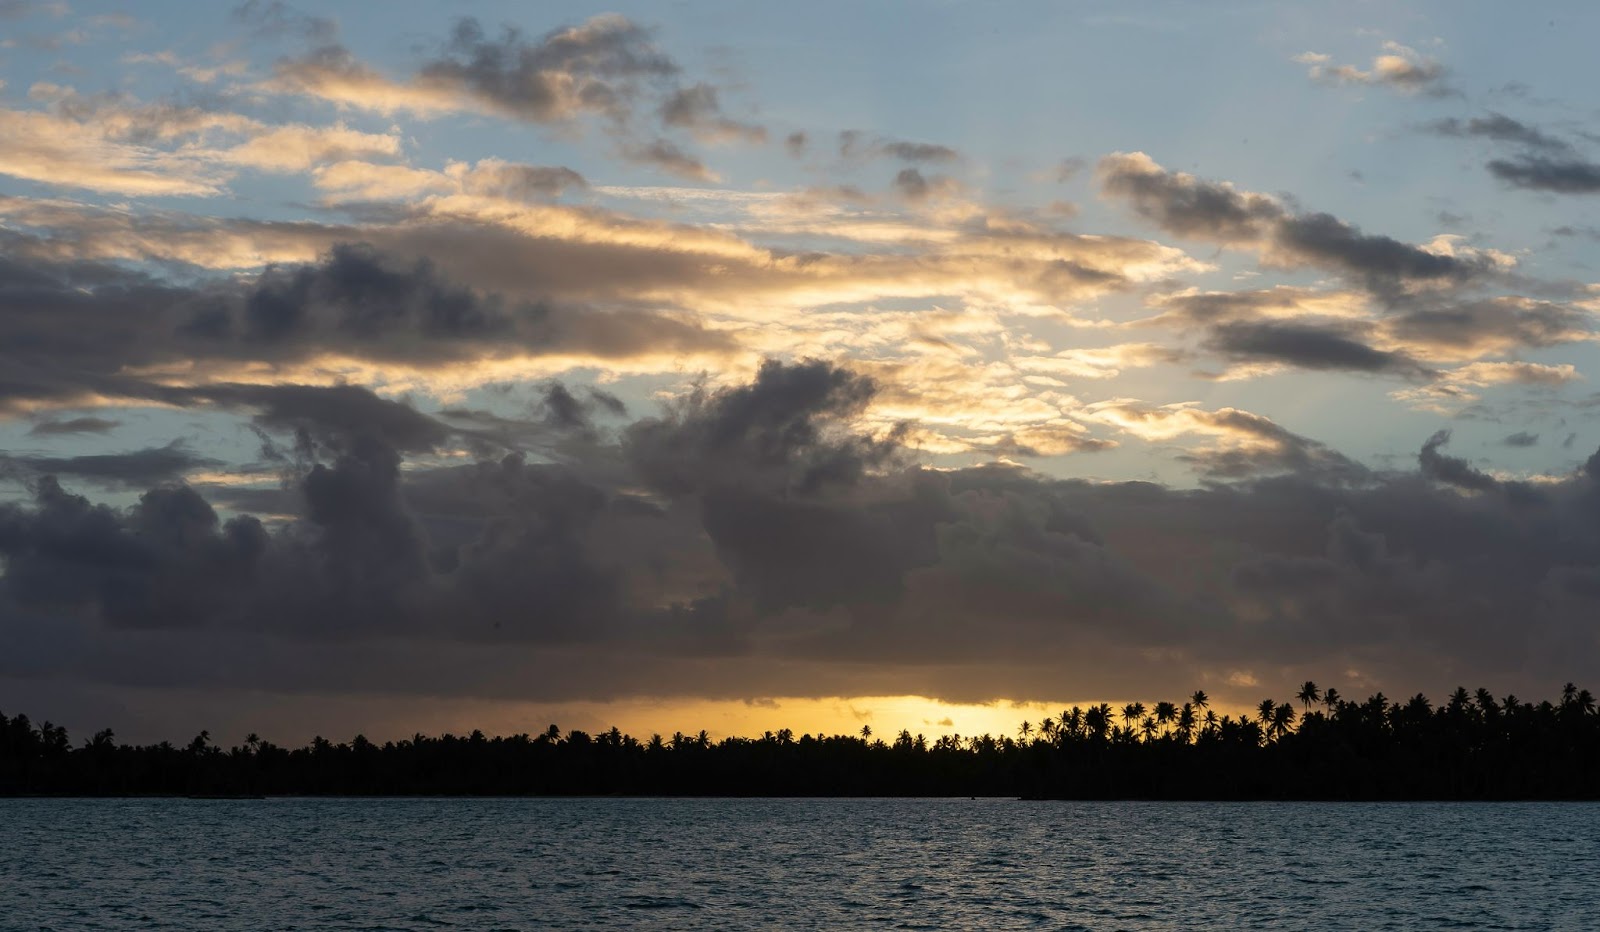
(642, 717)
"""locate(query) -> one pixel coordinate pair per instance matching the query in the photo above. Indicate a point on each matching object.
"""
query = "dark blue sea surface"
(485, 864)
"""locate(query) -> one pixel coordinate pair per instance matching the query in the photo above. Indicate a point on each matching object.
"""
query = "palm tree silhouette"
(1186, 722)
(1166, 712)
(1308, 694)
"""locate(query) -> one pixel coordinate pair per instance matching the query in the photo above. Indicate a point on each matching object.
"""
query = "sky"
(744, 366)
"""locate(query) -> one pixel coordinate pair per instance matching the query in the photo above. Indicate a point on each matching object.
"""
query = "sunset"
(845, 370)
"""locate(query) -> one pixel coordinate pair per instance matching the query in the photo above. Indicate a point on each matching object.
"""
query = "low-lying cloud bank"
(756, 540)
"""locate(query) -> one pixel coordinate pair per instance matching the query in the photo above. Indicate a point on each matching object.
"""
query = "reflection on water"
(819, 864)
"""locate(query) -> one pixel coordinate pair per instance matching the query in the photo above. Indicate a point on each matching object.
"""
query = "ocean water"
(485, 864)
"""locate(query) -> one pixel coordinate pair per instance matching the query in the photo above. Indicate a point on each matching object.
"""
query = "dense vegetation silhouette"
(1473, 746)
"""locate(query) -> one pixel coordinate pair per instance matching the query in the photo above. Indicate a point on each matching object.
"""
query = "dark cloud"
(1188, 206)
(1490, 324)
(918, 151)
(1452, 470)
(524, 182)
(1498, 127)
(1322, 239)
(1521, 438)
(781, 433)
(332, 414)
(49, 427)
(74, 329)
(751, 535)
(911, 184)
(796, 143)
(1309, 347)
(669, 157)
(1571, 176)
(697, 109)
(1270, 449)
(595, 66)
(135, 469)
(856, 145)
(606, 67)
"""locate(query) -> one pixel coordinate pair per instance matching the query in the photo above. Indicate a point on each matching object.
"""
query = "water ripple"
(415, 864)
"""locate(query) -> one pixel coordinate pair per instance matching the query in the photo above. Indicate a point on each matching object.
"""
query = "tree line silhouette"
(1473, 746)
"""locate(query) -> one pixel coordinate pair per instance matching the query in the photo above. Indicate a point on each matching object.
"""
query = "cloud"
(1499, 128)
(101, 332)
(135, 469)
(50, 427)
(596, 67)
(1188, 206)
(115, 145)
(276, 19)
(855, 145)
(55, 151)
(589, 67)
(1521, 439)
(1570, 176)
(1398, 68)
(1451, 470)
(918, 151)
(607, 67)
(1309, 347)
(667, 156)
(1247, 445)
(754, 534)
(696, 109)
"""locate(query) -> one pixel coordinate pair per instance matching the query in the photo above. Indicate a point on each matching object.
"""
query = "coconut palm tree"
(1131, 713)
(1308, 694)
(1201, 700)
(1186, 722)
(1166, 713)
(1097, 720)
(1282, 721)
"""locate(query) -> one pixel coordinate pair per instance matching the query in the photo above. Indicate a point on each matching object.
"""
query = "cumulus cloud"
(1398, 67)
